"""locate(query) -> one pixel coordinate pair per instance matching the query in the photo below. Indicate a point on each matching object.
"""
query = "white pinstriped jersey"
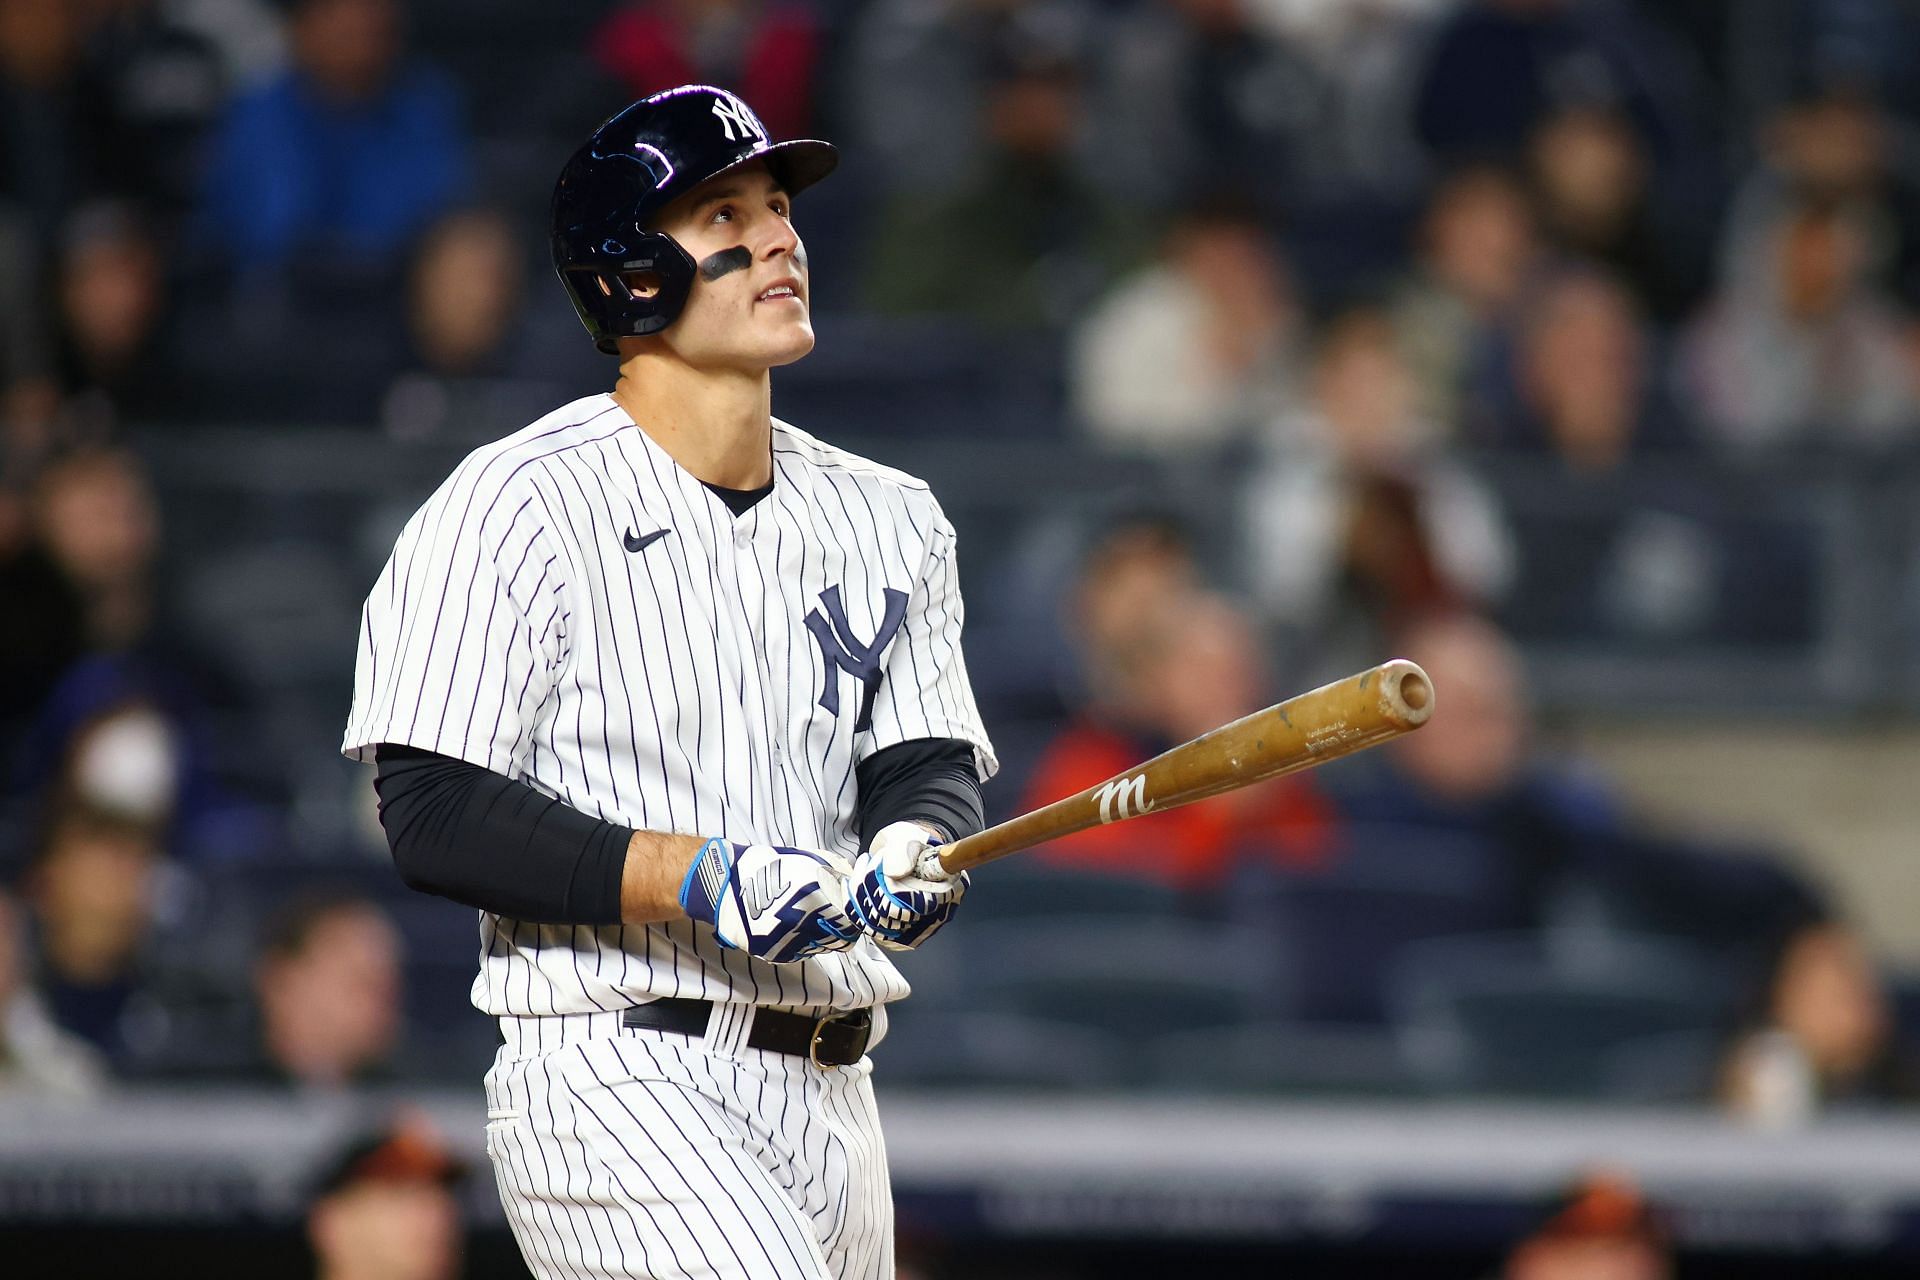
(722, 678)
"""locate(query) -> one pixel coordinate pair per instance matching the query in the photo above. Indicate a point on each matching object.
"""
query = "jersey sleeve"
(925, 692)
(464, 634)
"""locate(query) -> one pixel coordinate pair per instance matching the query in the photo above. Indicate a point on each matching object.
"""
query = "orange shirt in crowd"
(1286, 822)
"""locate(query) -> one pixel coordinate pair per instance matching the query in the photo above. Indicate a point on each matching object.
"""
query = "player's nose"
(782, 240)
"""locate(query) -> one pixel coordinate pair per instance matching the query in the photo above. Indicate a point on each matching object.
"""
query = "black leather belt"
(836, 1040)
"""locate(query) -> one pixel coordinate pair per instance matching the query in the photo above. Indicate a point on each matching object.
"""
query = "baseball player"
(672, 692)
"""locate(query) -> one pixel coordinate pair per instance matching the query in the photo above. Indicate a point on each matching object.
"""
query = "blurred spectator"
(124, 760)
(1167, 660)
(59, 144)
(1025, 243)
(111, 298)
(94, 514)
(920, 68)
(165, 85)
(329, 987)
(1800, 348)
(93, 887)
(767, 51)
(345, 157)
(1825, 1035)
(467, 333)
(1602, 1229)
(464, 293)
(1582, 385)
(247, 34)
(35, 1054)
(1590, 175)
(1477, 251)
(1481, 746)
(1368, 57)
(1199, 94)
(1188, 353)
(1498, 67)
(42, 627)
(385, 1208)
(29, 394)
(1356, 521)
(127, 691)
(1836, 146)
(1559, 849)
(127, 733)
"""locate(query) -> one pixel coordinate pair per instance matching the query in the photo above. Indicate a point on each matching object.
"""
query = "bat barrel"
(1325, 724)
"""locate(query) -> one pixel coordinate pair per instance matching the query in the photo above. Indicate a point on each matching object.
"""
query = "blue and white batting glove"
(775, 903)
(891, 902)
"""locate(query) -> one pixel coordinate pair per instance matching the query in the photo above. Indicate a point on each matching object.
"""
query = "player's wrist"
(704, 882)
(655, 870)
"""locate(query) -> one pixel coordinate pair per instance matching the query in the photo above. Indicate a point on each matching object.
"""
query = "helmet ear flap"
(640, 295)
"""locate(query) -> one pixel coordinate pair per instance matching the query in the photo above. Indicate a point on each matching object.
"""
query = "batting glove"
(775, 903)
(891, 901)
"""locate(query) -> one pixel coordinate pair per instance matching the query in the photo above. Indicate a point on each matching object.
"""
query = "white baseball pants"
(639, 1153)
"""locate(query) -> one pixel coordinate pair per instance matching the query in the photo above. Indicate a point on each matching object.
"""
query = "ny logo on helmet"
(732, 113)
(840, 651)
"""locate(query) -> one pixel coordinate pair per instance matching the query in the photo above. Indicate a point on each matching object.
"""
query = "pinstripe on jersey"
(674, 688)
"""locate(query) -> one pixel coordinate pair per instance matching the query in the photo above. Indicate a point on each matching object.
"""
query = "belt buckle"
(864, 1017)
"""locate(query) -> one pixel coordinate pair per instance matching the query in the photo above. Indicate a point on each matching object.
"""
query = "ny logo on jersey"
(734, 114)
(839, 649)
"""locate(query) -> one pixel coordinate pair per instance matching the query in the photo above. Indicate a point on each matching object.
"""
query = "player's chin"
(795, 341)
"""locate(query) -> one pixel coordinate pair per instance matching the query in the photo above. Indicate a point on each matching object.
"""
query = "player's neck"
(717, 424)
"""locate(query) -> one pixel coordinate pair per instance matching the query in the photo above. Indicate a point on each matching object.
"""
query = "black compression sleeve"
(468, 834)
(929, 780)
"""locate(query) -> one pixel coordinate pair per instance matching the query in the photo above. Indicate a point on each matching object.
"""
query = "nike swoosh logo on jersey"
(635, 543)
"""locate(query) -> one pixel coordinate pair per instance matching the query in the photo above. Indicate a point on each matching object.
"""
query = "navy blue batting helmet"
(632, 167)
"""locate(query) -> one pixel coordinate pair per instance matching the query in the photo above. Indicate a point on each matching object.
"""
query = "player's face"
(749, 307)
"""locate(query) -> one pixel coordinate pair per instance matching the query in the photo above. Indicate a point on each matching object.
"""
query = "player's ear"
(643, 285)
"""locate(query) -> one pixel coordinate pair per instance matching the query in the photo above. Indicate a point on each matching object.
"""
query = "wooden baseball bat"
(1332, 721)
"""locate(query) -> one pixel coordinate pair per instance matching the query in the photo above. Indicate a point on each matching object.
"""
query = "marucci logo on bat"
(1124, 798)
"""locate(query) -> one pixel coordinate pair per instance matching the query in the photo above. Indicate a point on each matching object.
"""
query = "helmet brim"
(799, 163)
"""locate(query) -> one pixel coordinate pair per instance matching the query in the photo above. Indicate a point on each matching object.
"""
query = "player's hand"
(776, 903)
(891, 902)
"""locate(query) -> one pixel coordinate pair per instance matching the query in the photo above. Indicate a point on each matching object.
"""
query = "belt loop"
(728, 1027)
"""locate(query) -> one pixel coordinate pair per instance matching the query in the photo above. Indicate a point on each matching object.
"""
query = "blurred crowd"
(1590, 228)
(1346, 247)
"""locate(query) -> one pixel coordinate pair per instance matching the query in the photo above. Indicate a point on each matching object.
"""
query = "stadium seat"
(1023, 889)
(1280, 1058)
(1341, 929)
(1129, 977)
(998, 1051)
(1509, 1014)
